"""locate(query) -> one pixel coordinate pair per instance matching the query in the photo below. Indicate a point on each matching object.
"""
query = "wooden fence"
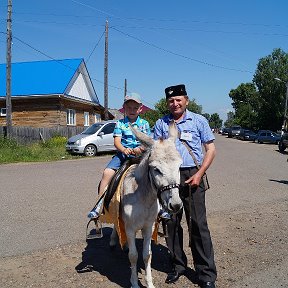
(27, 135)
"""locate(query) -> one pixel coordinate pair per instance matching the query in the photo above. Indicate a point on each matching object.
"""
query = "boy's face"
(132, 109)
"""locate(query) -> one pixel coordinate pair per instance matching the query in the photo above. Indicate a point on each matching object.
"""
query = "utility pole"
(8, 72)
(106, 74)
(125, 92)
(125, 87)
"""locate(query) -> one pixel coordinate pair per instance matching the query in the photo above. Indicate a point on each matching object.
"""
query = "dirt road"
(43, 223)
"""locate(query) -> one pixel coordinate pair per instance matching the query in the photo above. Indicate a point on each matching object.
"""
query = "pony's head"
(163, 162)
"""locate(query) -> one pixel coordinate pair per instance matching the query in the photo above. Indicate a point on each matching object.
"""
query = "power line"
(95, 47)
(50, 57)
(180, 55)
(201, 30)
(147, 19)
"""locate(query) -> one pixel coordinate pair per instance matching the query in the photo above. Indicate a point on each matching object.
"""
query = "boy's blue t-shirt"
(128, 139)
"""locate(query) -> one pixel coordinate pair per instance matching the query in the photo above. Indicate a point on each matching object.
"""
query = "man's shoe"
(173, 277)
(164, 215)
(207, 284)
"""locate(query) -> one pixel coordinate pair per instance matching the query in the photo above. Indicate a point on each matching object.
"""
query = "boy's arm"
(120, 147)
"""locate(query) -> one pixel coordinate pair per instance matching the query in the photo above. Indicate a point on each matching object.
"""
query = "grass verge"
(53, 149)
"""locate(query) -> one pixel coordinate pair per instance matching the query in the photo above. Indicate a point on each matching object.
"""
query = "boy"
(125, 142)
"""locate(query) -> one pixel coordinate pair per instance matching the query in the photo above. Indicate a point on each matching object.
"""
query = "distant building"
(50, 93)
(116, 113)
(144, 109)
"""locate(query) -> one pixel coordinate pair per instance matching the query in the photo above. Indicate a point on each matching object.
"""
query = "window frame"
(86, 119)
(97, 118)
(71, 115)
(3, 114)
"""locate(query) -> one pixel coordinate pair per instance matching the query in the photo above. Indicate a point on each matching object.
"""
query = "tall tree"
(207, 116)
(230, 119)
(271, 92)
(215, 121)
(245, 102)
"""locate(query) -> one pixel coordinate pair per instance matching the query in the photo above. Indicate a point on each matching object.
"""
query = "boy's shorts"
(116, 161)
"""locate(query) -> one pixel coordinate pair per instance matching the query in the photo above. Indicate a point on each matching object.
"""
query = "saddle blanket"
(113, 215)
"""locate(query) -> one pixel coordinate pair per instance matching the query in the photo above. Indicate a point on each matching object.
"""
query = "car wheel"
(90, 150)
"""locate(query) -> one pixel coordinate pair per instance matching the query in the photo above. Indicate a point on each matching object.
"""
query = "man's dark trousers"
(201, 244)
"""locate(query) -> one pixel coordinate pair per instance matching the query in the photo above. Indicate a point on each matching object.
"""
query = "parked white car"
(96, 138)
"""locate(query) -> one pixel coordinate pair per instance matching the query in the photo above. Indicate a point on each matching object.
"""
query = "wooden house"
(50, 94)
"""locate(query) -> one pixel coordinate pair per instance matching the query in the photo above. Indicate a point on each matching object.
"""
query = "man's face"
(132, 109)
(177, 104)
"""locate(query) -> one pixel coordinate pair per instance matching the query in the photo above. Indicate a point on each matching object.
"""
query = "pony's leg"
(133, 257)
(113, 239)
(147, 254)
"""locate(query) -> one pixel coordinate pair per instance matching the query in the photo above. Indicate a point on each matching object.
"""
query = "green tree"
(151, 116)
(207, 116)
(245, 101)
(215, 121)
(230, 119)
(271, 92)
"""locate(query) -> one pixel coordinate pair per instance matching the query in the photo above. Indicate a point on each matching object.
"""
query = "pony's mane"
(142, 167)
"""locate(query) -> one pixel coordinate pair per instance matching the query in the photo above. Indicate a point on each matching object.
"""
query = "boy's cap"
(134, 97)
(178, 90)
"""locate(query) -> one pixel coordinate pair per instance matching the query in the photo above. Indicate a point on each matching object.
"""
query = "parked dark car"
(267, 137)
(225, 131)
(234, 131)
(283, 143)
(248, 135)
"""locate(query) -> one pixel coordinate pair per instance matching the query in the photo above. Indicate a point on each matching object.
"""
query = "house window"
(86, 118)
(97, 118)
(71, 117)
(3, 112)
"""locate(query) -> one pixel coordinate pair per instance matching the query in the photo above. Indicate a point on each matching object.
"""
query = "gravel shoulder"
(43, 217)
(250, 244)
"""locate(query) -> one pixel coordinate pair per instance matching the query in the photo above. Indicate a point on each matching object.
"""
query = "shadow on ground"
(114, 264)
(279, 181)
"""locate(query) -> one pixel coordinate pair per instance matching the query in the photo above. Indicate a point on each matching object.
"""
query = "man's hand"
(194, 180)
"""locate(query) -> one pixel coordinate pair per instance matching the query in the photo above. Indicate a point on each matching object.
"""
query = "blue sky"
(210, 46)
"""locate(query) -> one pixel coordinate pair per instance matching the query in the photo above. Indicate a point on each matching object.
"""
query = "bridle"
(162, 189)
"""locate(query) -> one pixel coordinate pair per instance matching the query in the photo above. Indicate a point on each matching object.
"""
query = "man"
(194, 130)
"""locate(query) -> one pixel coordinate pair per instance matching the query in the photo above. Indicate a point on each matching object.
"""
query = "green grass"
(53, 149)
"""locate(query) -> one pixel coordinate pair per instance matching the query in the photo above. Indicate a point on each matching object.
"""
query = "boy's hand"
(137, 151)
(128, 151)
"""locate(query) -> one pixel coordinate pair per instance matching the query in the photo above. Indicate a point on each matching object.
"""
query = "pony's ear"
(173, 131)
(146, 140)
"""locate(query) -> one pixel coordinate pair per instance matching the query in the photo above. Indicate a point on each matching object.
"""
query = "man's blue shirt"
(192, 123)
(128, 139)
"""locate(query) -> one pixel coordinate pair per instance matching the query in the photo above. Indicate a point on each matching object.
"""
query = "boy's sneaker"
(164, 215)
(93, 214)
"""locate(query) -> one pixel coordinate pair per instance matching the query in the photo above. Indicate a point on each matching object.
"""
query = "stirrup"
(94, 229)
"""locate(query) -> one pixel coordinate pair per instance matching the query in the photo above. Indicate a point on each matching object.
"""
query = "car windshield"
(92, 129)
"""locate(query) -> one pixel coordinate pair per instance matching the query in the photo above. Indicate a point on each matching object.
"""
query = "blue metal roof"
(40, 77)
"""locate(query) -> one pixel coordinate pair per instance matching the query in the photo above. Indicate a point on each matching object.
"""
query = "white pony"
(156, 178)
